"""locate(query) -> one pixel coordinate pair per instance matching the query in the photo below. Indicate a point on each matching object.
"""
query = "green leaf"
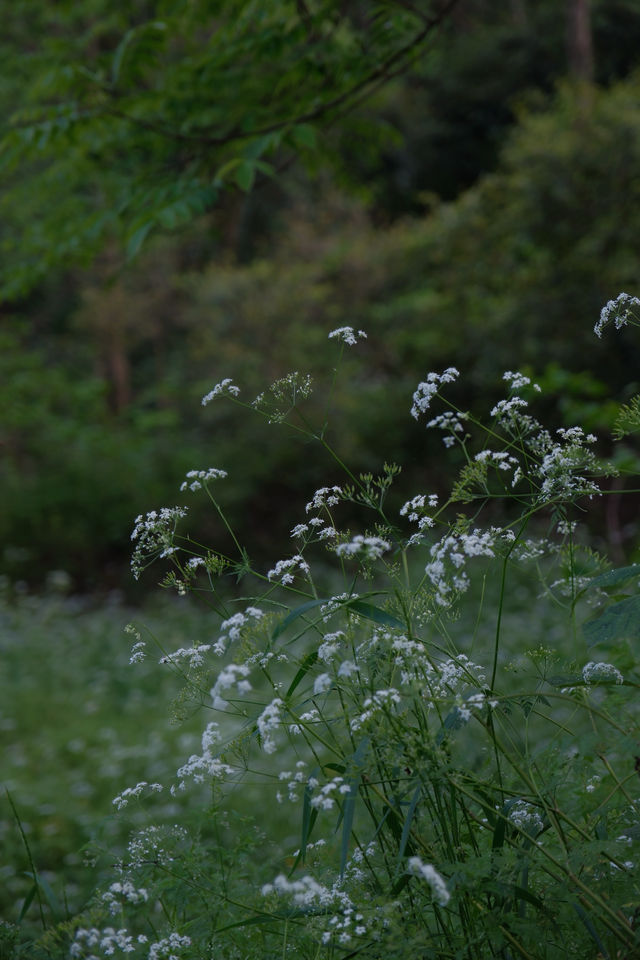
(306, 665)
(137, 238)
(371, 612)
(304, 136)
(349, 805)
(28, 900)
(309, 817)
(406, 829)
(499, 830)
(618, 622)
(51, 898)
(298, 612)
(245, 174)
(613, 577)
(584, 917)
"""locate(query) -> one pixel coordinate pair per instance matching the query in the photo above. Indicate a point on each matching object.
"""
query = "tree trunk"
(579, 42)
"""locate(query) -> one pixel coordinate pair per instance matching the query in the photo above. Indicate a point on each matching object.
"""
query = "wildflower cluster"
(426, 391)
(206, 765)
(348, 335)
(369, 548)
(133, 793)
(225, 387)
(155, 534)
(621, 311)
(196, 478)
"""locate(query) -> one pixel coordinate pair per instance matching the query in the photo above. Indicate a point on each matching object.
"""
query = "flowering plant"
(437, 791)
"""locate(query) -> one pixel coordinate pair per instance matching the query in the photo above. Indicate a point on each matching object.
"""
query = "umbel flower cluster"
(440, 784)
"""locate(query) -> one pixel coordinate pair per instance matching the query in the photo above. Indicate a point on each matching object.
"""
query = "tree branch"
(393, 66)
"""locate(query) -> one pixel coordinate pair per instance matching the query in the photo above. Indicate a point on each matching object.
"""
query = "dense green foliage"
(410, 169)
(513, 256)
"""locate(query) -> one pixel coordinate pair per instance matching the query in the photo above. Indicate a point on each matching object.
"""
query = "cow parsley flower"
(224, 387)
(518, 380)
(526, 817)
(369, 548)
(267, 722)
(593, 672)
(417, 868)
(427, 390)
(232, 674)
(123, 892)
(132, 793)
(169, 947)
(620, 310)
(193, 654)
(154, 532)
(195, 478)
(204, 765)
(321, 684)
(283, 569)
(231, 629)
(324, 497)
(347, 335)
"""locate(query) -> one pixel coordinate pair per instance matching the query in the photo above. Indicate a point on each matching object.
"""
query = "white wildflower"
(283, 569)
(169, 947)
(505, 409)
(429, 873)
(132, 793)
(231, 629)
(322, 683)
(267, 722)
(123, 892)
(348, 335)
(232, 674)
(425, 391)
(347, 668)
(324, 497)
(205, 765)
(193, 654)
(195, 478)
(620, 310)
(224, 387)
(154, 532)
(370, 548)
(526, 817)
(593, 672)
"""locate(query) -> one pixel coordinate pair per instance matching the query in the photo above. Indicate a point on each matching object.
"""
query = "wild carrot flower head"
(347, 335)
(225, 387)
(427, 390)
(620, 311)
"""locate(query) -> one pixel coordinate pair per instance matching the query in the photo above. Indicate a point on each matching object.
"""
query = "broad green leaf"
(371, 612)
(618, 622)
(613, 577)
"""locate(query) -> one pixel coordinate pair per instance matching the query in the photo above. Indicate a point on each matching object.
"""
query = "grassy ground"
(78, 724)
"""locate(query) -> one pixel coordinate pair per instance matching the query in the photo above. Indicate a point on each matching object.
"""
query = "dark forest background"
(198, 190)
